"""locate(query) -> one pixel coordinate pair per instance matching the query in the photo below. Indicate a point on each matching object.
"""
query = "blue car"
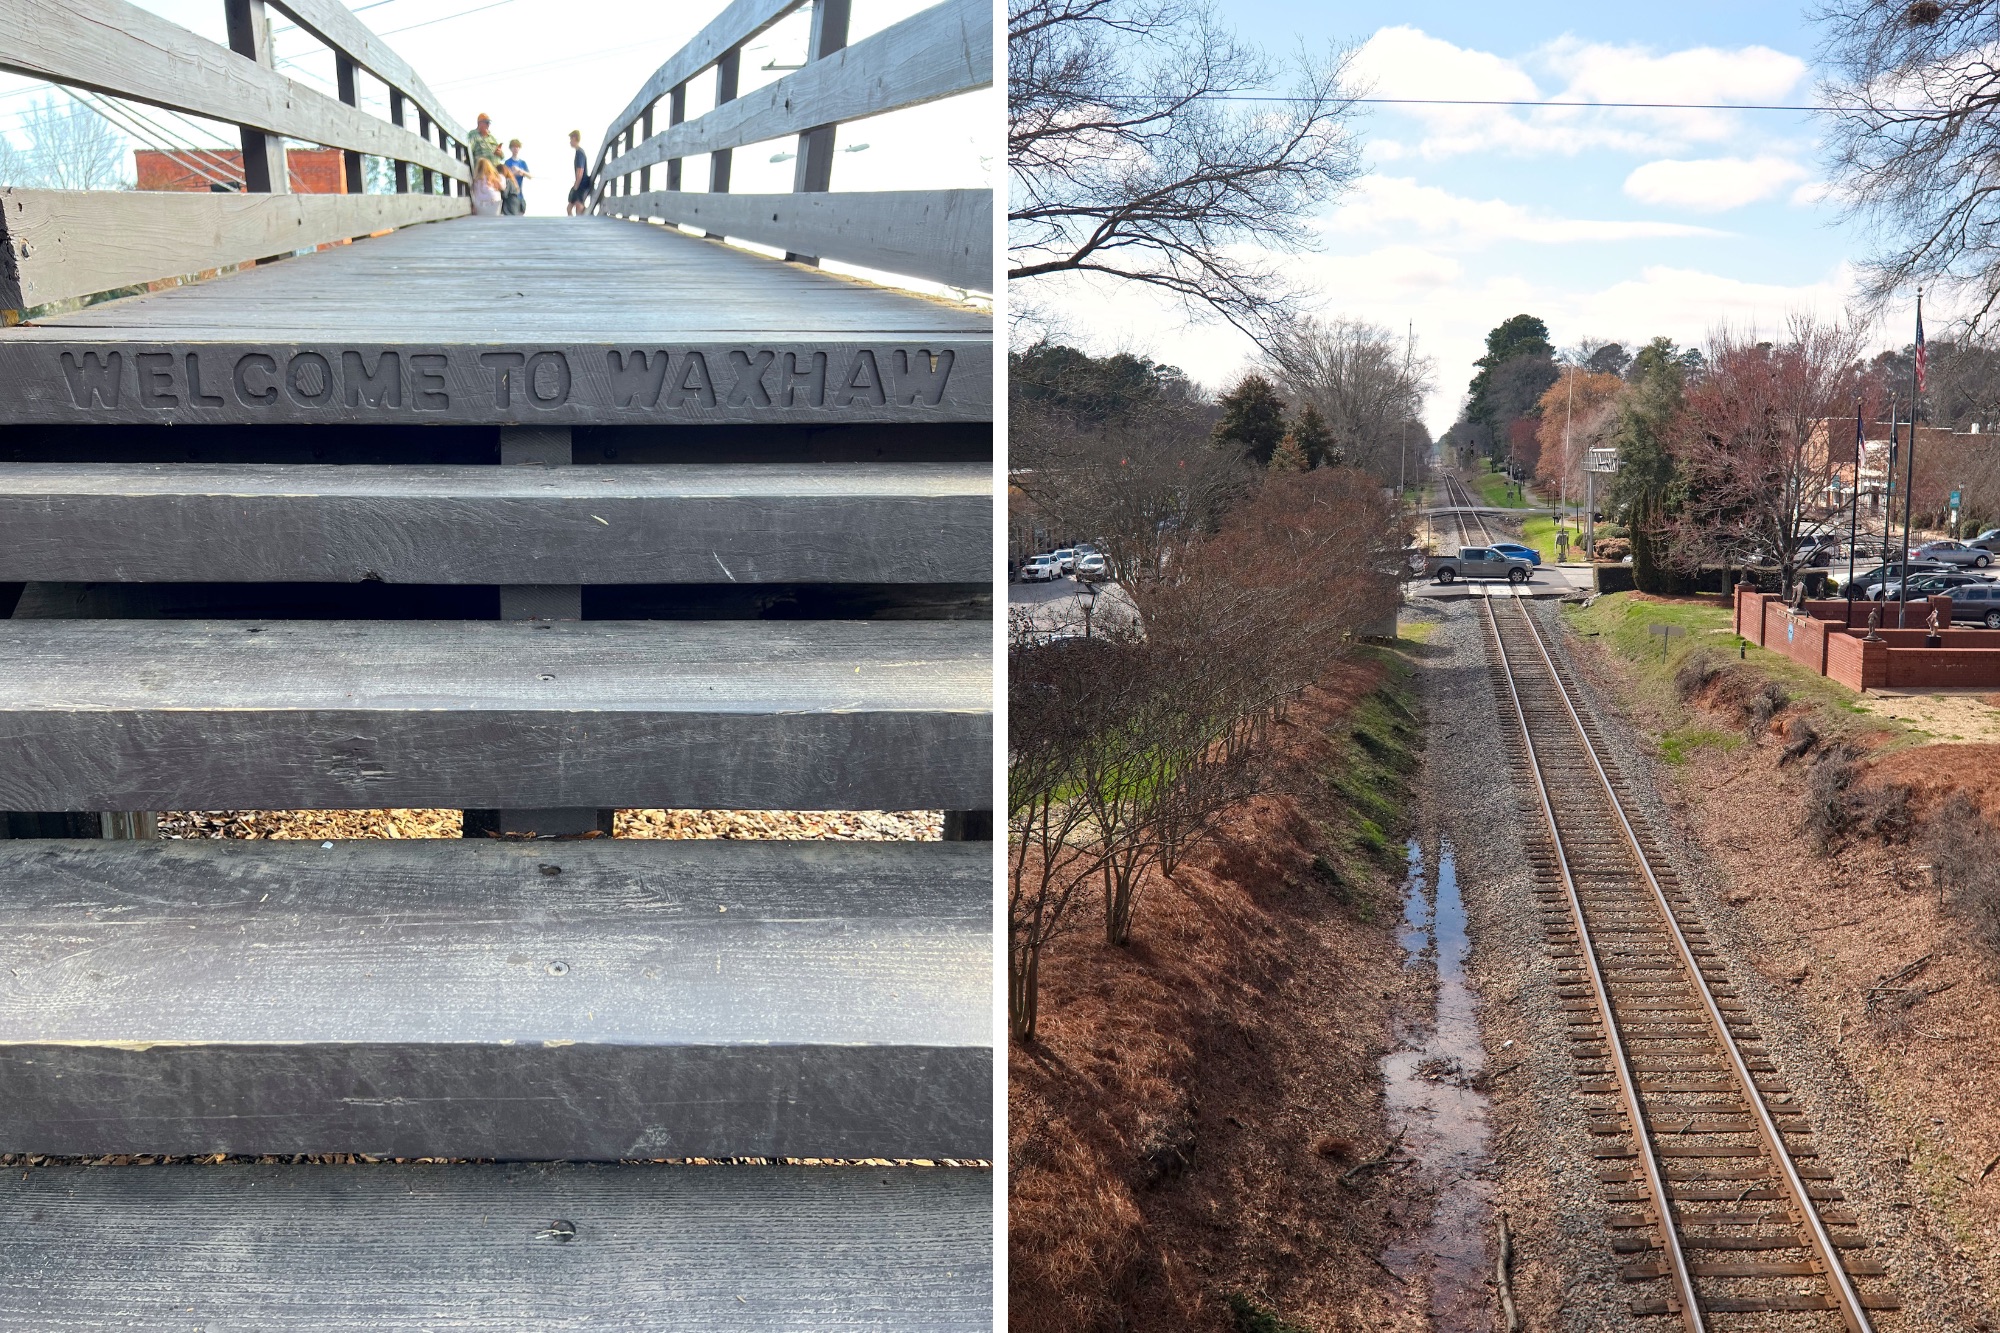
(1519, 552)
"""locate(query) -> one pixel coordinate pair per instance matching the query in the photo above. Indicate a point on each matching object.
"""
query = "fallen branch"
(1989, 1168)
(1385, 1158)
(1886, 985)
(1505, 1261)
(1839, 925)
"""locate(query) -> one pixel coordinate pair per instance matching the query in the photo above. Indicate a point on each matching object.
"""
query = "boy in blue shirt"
(516, 202)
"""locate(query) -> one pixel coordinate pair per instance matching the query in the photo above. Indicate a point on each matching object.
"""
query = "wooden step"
(492, 999)
(406, 1249)
(689, 523)
(597, 322)
(163, 715)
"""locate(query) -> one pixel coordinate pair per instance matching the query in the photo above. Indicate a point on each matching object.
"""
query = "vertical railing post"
(812, 172)
(726, 71)
(428, 182)
(396, 114)
(343, 74)
(677, 111)
(646, 132)
(625, 179)
(263, 154)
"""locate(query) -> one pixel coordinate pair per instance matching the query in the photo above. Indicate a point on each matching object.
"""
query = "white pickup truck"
(1479, 562)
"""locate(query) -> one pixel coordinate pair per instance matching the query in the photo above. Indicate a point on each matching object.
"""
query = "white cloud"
(1452, 310)
(1398, 204)
(1406, 62)
(1712, 185)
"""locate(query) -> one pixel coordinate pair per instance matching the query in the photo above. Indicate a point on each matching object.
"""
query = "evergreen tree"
(1645, 489)
(1315, 439)
(1290, 455)
(1253, 419)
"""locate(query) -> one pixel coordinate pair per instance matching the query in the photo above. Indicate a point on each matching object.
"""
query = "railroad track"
(1729, 1210)
(1458, 494)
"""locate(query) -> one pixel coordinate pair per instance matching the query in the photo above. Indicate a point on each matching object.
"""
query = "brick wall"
(312, 170)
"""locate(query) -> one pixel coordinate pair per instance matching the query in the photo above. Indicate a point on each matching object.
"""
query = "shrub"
(1964, 852)
(1695, 673)
(1764, 705)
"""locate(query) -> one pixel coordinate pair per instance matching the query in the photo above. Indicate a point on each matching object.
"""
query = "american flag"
(1920, 344)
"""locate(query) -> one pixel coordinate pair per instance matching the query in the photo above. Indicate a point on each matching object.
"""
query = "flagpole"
(1910, 461)
(1889, 488)
(1854, 510)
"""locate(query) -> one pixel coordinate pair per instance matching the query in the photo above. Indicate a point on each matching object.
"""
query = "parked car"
(1872, 578)
(1040, 569)
(1065, 559)
(1479, 562)
(1923, 585)
(1527, 553)
(1988, 540)
(1978, 602)
(1814, 552)
(1091, 567)
(1953, 553)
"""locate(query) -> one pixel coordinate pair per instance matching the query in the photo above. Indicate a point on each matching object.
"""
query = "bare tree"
(1367, 381)
(1141, 484)
(1914, 143)
(70, 147)
(1129, 159)
(1751, 443)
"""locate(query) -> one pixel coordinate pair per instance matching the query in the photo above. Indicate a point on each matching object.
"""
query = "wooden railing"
(943, 236)
(59, 244)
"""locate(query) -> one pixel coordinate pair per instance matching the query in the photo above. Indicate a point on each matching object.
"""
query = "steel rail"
(1628, 1088)
(1826, 1254)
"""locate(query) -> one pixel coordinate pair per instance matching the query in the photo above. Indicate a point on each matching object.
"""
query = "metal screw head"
(559, 1231)
(547, 676)
(558, 969)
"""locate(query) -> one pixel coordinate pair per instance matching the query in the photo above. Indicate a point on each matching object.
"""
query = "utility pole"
(1403, 449)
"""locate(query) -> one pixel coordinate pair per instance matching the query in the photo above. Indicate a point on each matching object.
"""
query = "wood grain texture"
(334, 24)
(693, 523)
(410, 1249)
(64, 243)
(733, 27)
(938, 52)
(940, 235)
(150, 715)
(534, 321)
(488, 999)
(118, 48)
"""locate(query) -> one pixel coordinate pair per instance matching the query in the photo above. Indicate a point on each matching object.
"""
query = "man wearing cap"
(483, 144)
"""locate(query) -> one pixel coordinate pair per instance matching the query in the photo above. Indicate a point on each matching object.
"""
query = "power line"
(1485, 101)
(445, 18)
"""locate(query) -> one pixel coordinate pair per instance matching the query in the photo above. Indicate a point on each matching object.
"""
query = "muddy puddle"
(1436, 1102)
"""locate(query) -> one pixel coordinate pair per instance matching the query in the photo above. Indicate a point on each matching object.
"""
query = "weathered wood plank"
(118, 48)
(152, 715)
(597, 321)
(55, 244)
(939, 52)
(734, 26)
(335, 25)
(940, 235)
(492, 999)
(692, 523)
(413, 1249)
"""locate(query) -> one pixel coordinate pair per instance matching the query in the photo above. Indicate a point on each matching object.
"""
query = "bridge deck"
(544, 321)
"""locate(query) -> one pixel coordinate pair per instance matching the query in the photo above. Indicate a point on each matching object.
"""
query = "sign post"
(1598, 461)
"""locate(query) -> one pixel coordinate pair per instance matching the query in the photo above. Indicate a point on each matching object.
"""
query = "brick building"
(312, 170)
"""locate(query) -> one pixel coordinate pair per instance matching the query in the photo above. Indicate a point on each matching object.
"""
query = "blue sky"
(1606, 223)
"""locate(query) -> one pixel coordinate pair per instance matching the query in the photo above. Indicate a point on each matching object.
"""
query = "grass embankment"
(1178, 1134)
(1495, 491)
(1624, 623)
